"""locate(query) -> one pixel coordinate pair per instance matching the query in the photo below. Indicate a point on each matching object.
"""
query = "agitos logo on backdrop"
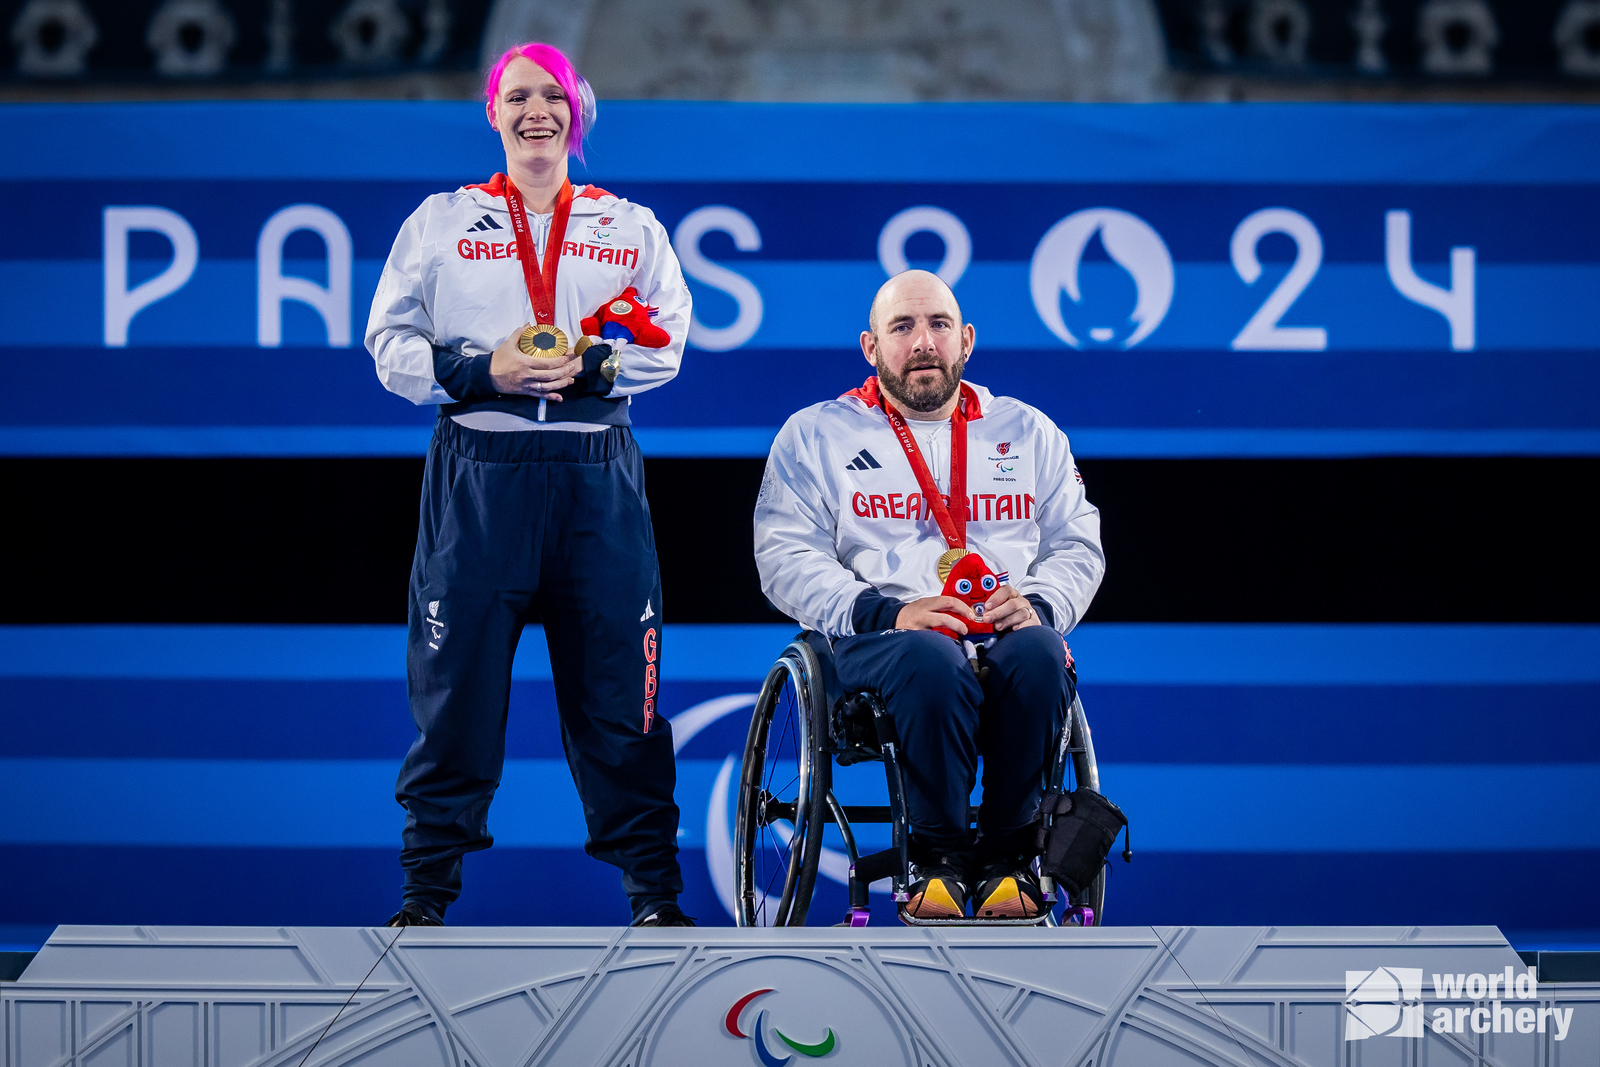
(758, 1034)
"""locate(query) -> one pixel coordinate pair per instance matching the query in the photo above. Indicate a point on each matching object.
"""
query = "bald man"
(855, 523)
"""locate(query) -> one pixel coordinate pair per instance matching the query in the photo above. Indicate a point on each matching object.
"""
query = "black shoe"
(414, 915)
(668, 914)
(1010, 890)
(939, 890)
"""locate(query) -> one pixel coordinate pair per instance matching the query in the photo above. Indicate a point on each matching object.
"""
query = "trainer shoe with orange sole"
(1010, 890)
(940, 892)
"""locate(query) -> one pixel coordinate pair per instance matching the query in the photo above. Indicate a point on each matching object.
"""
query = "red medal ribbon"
(541, 290)
(951, 516)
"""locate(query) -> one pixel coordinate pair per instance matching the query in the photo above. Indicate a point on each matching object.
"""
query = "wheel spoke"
(776, 750)
(767, 888)
(767, 895)
(781, 851)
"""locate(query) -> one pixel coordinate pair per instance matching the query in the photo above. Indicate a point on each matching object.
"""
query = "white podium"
(951, 997)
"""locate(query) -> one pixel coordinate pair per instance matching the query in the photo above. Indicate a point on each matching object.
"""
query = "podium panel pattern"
(954, 997)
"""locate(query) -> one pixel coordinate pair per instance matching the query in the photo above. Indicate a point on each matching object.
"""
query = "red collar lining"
(496, 186)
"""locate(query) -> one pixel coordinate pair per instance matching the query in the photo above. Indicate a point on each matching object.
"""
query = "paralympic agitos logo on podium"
(766, 1051)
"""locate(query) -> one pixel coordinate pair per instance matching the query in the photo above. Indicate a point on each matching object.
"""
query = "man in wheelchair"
(869, 506)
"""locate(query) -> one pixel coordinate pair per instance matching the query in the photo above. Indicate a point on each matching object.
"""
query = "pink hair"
(580, 97)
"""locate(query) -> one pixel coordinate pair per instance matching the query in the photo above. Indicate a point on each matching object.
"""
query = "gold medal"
(583, 343)
(543, 342)
(948, 560)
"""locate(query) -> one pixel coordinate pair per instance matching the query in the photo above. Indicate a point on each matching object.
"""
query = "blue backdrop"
(1164, 281)
(1275, 774)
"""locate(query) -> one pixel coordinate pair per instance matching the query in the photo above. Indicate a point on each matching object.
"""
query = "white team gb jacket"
(453, 279)
(840, 510)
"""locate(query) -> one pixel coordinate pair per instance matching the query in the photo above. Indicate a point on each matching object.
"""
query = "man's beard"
(923, 396)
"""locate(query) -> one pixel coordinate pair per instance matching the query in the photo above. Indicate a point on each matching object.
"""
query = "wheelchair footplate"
(1073, 915)
(967, 920)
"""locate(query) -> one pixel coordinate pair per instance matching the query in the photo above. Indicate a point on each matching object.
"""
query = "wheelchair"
(801, 724)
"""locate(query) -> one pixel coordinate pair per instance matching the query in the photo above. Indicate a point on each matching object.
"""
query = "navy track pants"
(555, 520)
(945, 718)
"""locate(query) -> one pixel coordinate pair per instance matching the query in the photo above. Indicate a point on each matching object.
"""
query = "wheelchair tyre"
(785, 767)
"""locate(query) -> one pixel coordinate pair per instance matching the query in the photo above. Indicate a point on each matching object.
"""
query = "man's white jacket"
(453, 280)
(842, 536)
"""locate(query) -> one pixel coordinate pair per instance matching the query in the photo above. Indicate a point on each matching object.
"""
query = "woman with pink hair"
(531, 311)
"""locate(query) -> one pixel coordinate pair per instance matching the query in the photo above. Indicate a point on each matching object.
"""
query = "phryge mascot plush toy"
(972, 582)
(624, 319)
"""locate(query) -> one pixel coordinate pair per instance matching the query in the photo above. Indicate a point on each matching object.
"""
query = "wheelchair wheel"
(783, 789)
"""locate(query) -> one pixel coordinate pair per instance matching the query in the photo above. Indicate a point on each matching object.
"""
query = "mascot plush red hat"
(626, 318)
(972, 582)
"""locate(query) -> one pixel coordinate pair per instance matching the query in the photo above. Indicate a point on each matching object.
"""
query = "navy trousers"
(555, 520)
(945, 718)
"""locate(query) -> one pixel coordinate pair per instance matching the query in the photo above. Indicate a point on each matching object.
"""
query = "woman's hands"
(514, 373)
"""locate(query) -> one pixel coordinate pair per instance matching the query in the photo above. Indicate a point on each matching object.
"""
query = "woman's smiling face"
(532, 114)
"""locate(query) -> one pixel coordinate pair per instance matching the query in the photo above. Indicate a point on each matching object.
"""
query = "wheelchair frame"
(854, 728)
